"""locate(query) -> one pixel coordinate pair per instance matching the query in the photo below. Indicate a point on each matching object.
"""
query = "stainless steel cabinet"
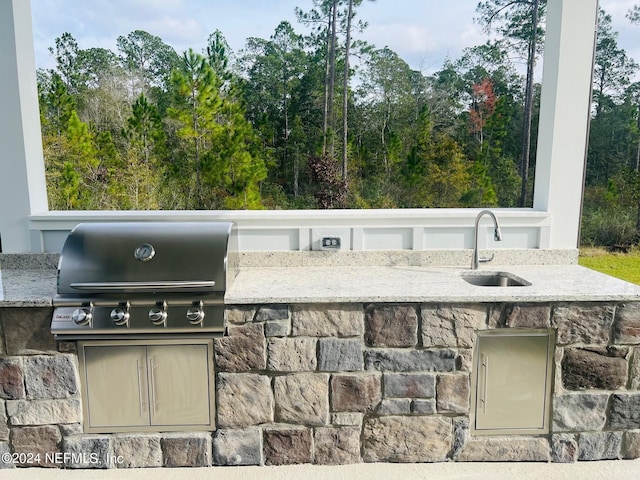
(147, 386)
(512, 382)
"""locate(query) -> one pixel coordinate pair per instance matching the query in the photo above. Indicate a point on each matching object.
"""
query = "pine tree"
(196, 107)
(145, 135)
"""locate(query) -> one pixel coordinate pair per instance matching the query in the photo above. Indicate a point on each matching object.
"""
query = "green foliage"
(73, 166)
(511, 19)
(219, 142)
(436, 174)
(96, 64)
(613, 69)
(147, 59)
(145, 144)
(218, 52)
(614, 225)
(65, 54)
(277, 97)
(610, 213)
(144, 128)
(196, 105)
(234, 165)
(69, 186)
(498, 171)
(58, 105)
(82, 149)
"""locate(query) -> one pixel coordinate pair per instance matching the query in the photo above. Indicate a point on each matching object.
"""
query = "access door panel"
(116, 386)
(512, 377)
(179, 379)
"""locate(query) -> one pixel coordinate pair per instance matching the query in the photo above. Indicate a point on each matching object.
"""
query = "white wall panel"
(388, 239)
(448, 237)
(269, 240)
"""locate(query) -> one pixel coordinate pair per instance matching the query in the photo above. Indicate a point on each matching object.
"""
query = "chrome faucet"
(497, 236)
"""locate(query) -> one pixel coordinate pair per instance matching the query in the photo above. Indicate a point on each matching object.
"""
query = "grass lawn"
(622, 265)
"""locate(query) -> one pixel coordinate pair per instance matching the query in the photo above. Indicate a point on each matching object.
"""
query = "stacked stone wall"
(596, 404)
(339, 384)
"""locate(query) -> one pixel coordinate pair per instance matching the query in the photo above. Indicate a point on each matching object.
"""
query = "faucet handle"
(487, 259)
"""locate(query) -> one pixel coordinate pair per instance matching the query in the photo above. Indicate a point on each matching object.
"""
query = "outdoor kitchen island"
(347, 364)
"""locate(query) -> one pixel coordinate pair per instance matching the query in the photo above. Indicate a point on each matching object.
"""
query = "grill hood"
(148, 257)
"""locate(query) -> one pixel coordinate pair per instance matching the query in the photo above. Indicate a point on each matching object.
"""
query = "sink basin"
(494, 279)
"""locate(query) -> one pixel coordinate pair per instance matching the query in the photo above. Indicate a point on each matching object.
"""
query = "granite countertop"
(27, 280)
(35, 287)
(32, 287)
(423, 284)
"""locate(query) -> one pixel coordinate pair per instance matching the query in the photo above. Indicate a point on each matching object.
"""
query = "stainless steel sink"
(494, 279)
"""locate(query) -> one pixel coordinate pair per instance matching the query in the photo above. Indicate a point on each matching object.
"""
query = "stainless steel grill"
(127, 278)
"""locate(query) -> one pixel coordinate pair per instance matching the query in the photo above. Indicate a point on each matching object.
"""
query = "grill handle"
(140, 389)
(110, 286)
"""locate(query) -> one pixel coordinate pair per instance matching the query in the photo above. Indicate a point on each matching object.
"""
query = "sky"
(423, 32)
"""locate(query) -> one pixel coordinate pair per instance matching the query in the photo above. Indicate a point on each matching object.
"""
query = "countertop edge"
(30, 288)
(432, 299)
(401, 284)
(43, 303)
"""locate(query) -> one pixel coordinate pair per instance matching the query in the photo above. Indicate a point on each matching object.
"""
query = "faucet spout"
(497, 236)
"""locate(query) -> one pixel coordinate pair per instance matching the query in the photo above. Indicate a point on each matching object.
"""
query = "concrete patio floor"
(609, 470)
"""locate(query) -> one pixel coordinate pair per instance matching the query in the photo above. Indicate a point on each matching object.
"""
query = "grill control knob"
(158, 315)
(120, 315)
(82, 316)
(195, 314)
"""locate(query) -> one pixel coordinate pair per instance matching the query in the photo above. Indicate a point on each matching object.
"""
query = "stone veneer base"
(338, 384)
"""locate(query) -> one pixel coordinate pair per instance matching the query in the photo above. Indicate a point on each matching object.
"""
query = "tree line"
(324, 120)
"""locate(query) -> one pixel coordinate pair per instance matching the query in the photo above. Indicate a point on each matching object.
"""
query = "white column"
(564, 116)
(22, 179)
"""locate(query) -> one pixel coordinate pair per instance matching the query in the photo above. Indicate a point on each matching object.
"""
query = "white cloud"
(423, 32)
(617, 8)
(408, 38)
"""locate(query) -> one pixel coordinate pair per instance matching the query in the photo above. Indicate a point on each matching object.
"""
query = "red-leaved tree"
(483, 104)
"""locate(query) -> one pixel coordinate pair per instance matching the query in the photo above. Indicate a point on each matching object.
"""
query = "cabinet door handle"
(484, 364)
(140, 398)
(153, 385)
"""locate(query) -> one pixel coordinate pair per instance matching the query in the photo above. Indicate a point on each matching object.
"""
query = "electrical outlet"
(331, 243)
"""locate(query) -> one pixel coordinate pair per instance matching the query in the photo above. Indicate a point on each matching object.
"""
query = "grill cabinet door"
(155, 385)
(179, 388)
(512, 377)
(116, 386)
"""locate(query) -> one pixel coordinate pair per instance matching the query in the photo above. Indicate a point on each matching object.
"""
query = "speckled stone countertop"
(27, 280)
(27, 287)
(30, 281)
(549, 283)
